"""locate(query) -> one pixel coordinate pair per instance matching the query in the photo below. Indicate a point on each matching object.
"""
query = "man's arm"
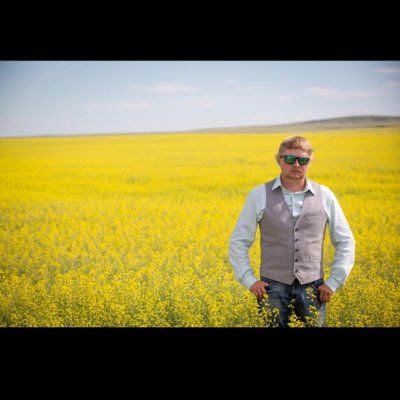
(343, 240)
(242, 238)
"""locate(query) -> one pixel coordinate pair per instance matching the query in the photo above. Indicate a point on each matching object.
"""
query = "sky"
(89, 97)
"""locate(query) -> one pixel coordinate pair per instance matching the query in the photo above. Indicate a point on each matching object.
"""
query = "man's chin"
(296, 177)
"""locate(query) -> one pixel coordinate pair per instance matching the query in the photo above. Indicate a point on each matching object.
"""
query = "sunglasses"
(292, 159)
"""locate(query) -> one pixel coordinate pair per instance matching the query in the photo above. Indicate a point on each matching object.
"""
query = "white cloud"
(392, 84)
(117, 106)
(388, 70)
(287, 98)
(328, 92)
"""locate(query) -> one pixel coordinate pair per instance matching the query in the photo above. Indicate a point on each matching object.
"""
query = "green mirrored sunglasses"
(292, 159)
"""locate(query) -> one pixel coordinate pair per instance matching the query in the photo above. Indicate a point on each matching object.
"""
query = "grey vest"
(291, 249)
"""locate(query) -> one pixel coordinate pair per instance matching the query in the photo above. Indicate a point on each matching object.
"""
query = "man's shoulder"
(258, 193)
(261, 187)
(257, 190)
(325, 191)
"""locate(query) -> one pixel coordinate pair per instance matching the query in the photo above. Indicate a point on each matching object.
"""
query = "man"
(292, 213)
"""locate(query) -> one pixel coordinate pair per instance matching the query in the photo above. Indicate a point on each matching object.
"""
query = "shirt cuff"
(333, 284)
(248, 280)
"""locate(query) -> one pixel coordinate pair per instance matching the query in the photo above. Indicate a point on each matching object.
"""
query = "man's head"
(294, 143)
(293, 157)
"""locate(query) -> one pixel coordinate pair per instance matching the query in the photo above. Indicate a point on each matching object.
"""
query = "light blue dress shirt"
(243, 235)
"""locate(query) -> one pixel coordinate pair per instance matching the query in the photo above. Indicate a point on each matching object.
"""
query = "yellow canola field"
(133, 230)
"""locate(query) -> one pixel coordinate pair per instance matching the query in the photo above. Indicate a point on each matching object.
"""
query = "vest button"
(296, 250)
(296, 230)
(296, 240)
(296, 260)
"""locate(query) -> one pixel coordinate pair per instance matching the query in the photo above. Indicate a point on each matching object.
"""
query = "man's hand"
(258, 289)
(325, 293)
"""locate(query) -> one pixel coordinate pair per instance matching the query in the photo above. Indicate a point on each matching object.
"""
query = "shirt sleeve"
(241, 239)
(342, 239)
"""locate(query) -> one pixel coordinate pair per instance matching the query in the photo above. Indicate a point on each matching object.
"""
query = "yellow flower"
(133, 230)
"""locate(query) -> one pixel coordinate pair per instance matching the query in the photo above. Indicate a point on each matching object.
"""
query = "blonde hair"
(294, 142)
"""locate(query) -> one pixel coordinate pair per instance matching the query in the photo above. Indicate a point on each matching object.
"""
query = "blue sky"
(85, 97)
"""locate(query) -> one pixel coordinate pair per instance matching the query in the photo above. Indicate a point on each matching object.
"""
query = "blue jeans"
(303, 300)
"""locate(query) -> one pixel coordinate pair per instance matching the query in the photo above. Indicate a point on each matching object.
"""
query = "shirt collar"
(309, 187)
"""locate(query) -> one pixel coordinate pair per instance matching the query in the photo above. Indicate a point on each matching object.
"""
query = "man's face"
(294, 171)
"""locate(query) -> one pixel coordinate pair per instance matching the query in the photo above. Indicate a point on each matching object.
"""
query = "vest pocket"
(314, 213)
(314, 216)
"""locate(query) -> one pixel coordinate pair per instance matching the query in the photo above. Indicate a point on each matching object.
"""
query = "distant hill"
(370, 121)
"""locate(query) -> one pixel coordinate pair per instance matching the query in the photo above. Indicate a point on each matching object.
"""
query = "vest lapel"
(306, 206)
